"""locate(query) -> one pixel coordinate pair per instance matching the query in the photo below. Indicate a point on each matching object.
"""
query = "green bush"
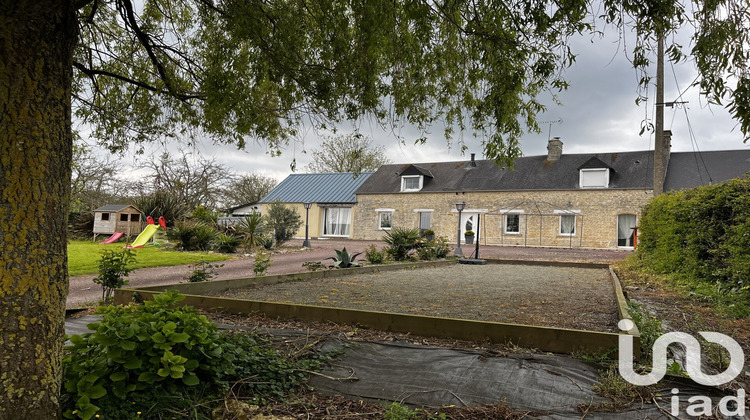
(344, 259)
(262, 262)
(161, 360)
(283, 221)
(227, 243)
(205, 215)
(193, 236)
(114, 266)
(162, 203)
(702, 235)
(203, 271)
(373, 256)
(251, 229)
(435, 249)
(401, 241)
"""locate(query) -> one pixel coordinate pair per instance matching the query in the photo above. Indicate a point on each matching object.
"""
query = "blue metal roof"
(318, 188)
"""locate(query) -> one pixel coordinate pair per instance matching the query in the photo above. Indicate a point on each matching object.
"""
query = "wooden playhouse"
(117, 218)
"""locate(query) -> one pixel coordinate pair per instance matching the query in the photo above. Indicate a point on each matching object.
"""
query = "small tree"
(283, 221)
(113, 268)
(348, 153)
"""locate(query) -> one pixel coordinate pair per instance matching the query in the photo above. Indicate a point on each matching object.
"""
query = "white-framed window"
(411, 183)
(625, 232)
(567, 224)
(513, 223)
(337, 221)
(567, 221)
(594, 178)
(425, 220)
(385, 218)
(105, 217)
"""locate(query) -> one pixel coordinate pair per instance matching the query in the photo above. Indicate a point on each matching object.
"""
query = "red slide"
(115, 236)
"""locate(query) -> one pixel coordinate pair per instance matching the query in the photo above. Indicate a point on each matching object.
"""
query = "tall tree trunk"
(37, 38)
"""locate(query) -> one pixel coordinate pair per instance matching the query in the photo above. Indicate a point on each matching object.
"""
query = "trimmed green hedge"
(702, 234)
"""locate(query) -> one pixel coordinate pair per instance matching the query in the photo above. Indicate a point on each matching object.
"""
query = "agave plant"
(344, 259)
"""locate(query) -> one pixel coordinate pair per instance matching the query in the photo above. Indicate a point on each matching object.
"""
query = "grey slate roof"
(114, 207)
(630, 170)
(688, 169)
(318, 188)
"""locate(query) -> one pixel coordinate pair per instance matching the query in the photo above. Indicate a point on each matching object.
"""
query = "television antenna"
(549, 132)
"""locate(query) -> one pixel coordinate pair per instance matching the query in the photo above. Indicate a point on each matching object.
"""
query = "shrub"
(162, 203)
(313, 265)
(251, 229)
(265, 242)
(203, 237)
(262, 262)
(205, 215)
(113, 268)
(157, 358)
(283, 221)
(401, 241)
(702, 235)
(469, 233)
(203, 271)
(373, 256)
(344, 259)
(227, 243)
(193, 236)
(434, 249)
(649, 328)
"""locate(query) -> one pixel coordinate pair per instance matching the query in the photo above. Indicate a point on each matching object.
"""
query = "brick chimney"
(554, 149)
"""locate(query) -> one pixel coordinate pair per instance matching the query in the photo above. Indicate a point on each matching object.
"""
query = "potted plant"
(469, 237)
(429, 234)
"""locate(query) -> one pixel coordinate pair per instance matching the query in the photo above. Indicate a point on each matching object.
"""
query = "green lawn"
(83, 256)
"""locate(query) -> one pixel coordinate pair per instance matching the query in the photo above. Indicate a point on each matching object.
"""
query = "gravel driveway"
(83, 291)
(579, 298)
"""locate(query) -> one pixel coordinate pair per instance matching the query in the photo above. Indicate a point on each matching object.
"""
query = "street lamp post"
(307, 225)
(459, 208)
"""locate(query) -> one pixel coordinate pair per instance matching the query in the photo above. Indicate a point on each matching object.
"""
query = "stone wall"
(596, 214)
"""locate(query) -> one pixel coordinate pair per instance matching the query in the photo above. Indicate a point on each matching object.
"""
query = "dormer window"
(594, 178)
(410, 183)
(594, 174)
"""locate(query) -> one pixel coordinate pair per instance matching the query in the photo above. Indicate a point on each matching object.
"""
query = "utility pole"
(662, 146)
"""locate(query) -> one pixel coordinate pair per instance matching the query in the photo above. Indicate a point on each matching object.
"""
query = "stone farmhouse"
(577, 200)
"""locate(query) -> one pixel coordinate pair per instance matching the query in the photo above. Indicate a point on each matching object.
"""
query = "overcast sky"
(598, 114)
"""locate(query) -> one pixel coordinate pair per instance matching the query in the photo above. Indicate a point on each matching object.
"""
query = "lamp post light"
(307, 225)
(459, 207)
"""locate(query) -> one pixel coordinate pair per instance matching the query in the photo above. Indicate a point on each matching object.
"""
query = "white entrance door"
(469, 222)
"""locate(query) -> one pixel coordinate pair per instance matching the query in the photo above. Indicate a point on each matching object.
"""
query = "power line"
(693, 141)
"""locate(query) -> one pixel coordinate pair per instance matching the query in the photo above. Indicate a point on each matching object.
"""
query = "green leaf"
(190, 379)
(178, 337)
(133, 363)
(91, 378)
(118, 376)
(127, 345)
(158, 338)
(106, 340)
(96, 392)
(147, 377)
(163, 372)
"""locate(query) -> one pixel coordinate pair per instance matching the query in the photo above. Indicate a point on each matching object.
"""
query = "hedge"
(702, 233)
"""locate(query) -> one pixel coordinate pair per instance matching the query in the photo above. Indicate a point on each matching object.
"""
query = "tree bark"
(37, 38)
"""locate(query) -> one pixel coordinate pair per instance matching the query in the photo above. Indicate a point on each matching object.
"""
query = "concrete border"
(558, 340)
